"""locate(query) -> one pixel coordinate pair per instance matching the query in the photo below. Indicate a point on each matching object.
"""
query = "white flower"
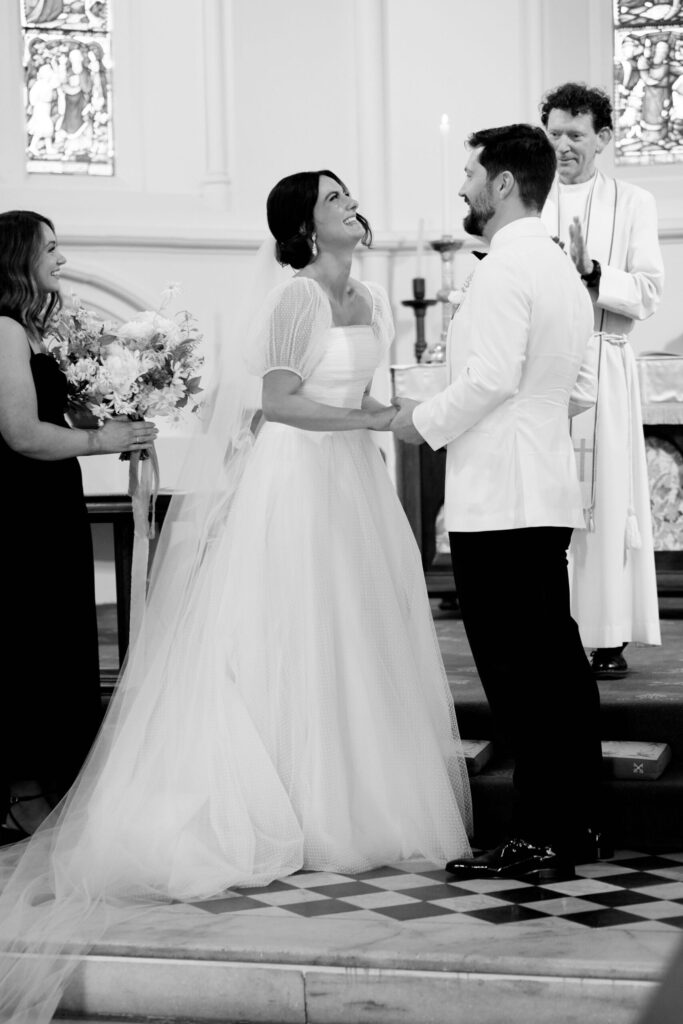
(101, 411)
(145, 326)
(121, 367)
(170, 291)
(82, 369)
(136, 368)
(136, 330)
(164, 402)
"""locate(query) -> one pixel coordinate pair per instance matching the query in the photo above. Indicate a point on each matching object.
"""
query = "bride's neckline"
(343, 327)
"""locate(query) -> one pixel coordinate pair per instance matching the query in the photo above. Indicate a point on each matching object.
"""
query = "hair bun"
(294, 252)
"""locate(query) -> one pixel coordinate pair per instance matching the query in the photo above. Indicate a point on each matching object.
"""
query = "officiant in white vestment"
(609, 227)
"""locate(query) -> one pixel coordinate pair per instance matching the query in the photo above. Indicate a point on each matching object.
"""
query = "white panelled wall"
(215, 100)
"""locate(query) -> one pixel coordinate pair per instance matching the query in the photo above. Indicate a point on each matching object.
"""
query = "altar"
(420, 471)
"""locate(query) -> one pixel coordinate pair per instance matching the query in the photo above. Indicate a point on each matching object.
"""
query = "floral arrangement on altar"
(665, 473)
(146, 367)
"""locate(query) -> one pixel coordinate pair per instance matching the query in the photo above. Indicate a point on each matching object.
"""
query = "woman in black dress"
(49, 699)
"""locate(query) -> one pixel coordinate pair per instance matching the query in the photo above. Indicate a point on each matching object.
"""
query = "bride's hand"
(380, 419)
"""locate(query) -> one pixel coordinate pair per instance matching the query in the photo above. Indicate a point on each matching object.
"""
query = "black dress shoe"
(515, 858)
(608, 664)
(592, 847)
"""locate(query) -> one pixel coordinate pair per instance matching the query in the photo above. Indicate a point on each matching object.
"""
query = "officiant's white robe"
(613, 584)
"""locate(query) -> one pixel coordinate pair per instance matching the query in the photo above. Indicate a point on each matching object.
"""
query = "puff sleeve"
(382, 317)
(288, 332)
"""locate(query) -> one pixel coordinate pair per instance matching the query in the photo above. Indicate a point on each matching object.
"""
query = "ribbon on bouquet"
(143, 487)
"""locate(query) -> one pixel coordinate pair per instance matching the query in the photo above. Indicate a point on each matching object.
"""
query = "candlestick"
(419, 306)
(420, 246)
(446, 248)
(445, 128)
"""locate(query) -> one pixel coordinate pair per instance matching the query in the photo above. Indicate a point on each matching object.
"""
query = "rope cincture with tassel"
(633, 540)
(143, 488)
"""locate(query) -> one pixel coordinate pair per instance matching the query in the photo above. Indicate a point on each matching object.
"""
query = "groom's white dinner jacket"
(517, 356)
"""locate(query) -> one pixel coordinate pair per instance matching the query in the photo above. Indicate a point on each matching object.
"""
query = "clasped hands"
(400, 422)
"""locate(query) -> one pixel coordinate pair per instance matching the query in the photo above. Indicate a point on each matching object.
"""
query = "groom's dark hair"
(525, 152)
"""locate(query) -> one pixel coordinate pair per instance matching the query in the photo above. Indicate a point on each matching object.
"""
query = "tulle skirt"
(285, 707)
(301, 716)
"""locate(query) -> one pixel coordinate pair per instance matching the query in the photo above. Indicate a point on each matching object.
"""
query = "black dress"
(50, 705)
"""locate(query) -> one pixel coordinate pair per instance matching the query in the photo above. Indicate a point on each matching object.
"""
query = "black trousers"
(513, 591)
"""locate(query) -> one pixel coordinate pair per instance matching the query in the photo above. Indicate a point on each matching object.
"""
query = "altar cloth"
(660, 377)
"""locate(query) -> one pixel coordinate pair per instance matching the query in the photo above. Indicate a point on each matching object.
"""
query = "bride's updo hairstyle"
(290, 217)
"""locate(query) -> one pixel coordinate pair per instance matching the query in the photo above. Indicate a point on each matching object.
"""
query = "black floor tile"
(319, 908)
(509, 914)
(607, 918)
(229, 906)
(412, 911)
(637, 879)
(436, 892)
(386, 872)
(618, 898)
(342, 889)
(649, 862)
(527, 894)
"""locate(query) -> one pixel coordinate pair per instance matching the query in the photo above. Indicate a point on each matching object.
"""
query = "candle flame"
(445, 126)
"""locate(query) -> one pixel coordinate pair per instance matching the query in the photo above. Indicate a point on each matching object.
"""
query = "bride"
(284, 705)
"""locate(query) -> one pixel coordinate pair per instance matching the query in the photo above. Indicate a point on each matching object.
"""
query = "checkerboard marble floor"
(399, 943)
(632, 889)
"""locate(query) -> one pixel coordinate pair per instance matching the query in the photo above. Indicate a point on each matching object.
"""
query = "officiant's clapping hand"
(402, 424)
(577, 248)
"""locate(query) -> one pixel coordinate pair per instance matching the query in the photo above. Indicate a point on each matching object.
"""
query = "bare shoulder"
(364, 293)
(12, 328)
(360, 287)
(13, 338)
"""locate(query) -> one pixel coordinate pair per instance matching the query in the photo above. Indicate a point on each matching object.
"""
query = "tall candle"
(444, 128)
(420, 246)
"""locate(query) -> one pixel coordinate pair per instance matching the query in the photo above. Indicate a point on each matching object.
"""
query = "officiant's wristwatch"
(592, 278)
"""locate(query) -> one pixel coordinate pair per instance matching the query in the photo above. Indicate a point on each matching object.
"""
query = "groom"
(516, 351)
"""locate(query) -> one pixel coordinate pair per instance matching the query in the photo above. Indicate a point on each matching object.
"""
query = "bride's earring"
(314, 246)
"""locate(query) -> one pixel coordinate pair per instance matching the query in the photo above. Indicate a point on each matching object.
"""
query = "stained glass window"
(67, 86)
(648, 81)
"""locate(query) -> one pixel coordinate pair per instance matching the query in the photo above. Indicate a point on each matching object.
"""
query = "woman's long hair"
(21, 239)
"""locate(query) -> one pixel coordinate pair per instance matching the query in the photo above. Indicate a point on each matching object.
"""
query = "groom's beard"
(481, 211)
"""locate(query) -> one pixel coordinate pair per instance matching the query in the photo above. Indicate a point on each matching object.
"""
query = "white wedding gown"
(295, 712)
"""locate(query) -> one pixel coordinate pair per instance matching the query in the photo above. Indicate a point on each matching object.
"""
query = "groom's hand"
(402, 424)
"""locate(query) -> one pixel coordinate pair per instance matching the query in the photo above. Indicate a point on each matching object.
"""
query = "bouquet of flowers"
(146, 367)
